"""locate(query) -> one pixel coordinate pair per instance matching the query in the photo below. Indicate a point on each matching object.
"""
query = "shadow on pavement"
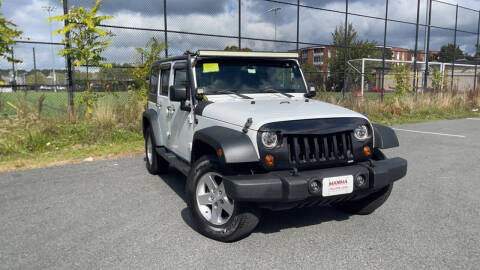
(271, 221)
(275, 221)
(176, 181)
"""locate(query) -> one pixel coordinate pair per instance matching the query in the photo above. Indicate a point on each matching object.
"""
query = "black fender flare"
(385, 137)
(150, 118)
(236, 145)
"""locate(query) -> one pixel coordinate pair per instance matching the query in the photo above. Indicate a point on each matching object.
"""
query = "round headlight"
(269, 139)
(361, 132)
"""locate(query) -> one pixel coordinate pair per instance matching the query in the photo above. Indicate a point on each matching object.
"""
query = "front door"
(180, 122)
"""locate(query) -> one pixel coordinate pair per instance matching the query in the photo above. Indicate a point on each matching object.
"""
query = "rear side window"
(152, 90)
(180, 77)
(164, 82)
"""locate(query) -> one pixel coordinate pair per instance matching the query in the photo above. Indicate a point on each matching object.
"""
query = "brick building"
(318, 56)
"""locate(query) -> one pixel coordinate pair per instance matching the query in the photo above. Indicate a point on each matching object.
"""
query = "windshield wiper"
(231, 92)
(278, 92)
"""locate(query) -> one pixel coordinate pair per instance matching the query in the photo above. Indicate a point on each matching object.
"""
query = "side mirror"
(178, 93)
(311, 91)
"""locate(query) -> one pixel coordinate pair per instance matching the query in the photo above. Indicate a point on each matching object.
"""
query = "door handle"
(170, 109)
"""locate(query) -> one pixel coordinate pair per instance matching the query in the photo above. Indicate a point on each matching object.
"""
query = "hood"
(236, 111)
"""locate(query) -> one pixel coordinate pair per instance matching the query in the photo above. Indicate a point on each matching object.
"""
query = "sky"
(221, 17)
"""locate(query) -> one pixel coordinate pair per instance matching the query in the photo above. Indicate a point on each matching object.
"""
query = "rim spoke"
(221, 188)
(204, 199)
(216, 213)
(210, 182)
(227, 206)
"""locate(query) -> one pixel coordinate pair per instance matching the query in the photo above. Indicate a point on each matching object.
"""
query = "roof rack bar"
(206, 53)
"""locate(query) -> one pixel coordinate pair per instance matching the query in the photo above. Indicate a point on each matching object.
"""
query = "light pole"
(275, 9)
(51, 9)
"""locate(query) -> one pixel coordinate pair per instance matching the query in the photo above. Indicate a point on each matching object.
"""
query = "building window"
(318, 60)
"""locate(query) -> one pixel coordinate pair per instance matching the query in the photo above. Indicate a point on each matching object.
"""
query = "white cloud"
(315, 26)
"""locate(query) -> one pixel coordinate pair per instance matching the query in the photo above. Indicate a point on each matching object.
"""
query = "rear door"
(163, 102)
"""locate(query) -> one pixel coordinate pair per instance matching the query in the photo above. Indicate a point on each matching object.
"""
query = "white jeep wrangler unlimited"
(244, 130)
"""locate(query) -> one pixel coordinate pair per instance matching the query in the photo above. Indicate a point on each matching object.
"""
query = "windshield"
(249, 76)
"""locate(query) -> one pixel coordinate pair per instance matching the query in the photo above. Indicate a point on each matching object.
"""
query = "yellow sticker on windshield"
(210, 67)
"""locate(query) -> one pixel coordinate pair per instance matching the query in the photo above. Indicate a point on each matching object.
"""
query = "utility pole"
(275, 10)
(50, 10)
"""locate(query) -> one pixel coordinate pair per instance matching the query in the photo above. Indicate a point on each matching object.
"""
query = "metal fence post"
(454, 48)
(425, 76)
(416, 49)
(35, 69)
(14, 75)
(298, 22)
(345, 51)
(239, 24)
(477, 51)
(69, 61)
(165, 23)
(384, 51)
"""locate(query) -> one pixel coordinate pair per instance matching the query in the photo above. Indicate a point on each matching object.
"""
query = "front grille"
(331, 149)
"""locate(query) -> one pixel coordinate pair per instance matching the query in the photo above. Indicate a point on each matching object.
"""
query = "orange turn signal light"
(220, 152)
(367, 151)
(269, 160)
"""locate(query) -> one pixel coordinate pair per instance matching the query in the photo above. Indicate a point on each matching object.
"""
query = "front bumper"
(283, 186)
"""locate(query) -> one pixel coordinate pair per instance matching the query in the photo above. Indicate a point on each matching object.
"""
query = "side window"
(164, 82)
(152, 90)
(180, 77)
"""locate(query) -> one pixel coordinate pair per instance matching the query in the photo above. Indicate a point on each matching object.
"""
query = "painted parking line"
(430, 133)
(478, 119)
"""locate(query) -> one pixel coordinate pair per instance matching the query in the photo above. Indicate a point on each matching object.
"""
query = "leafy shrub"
(401, 79)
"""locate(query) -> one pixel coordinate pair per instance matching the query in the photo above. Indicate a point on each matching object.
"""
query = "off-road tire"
(243, 220)
(157, 164)
(367, 205)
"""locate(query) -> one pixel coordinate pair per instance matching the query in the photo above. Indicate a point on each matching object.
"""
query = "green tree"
(447, 52)
(477, 53)
(235, 48)
(88, 42)
(41, 79)
(401, 80)
(114, 76)
(312, 74)
(8, 34)
(356, 49)
(140, 72)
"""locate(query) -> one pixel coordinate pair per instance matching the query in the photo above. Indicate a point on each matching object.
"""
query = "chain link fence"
(402, 33)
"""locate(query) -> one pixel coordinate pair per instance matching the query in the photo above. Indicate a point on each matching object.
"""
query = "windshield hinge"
(247, 125)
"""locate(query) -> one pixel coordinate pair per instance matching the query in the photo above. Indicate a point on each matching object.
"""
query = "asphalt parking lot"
(113, 214)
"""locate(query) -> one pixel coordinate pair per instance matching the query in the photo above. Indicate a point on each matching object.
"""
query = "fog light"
(366, 150)
(269, 160)
(314, 186)
(360, 181)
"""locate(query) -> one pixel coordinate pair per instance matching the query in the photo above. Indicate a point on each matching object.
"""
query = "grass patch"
(51, 141)
(55, 104)
(114, 127)
(410, 108)
(27, 141)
